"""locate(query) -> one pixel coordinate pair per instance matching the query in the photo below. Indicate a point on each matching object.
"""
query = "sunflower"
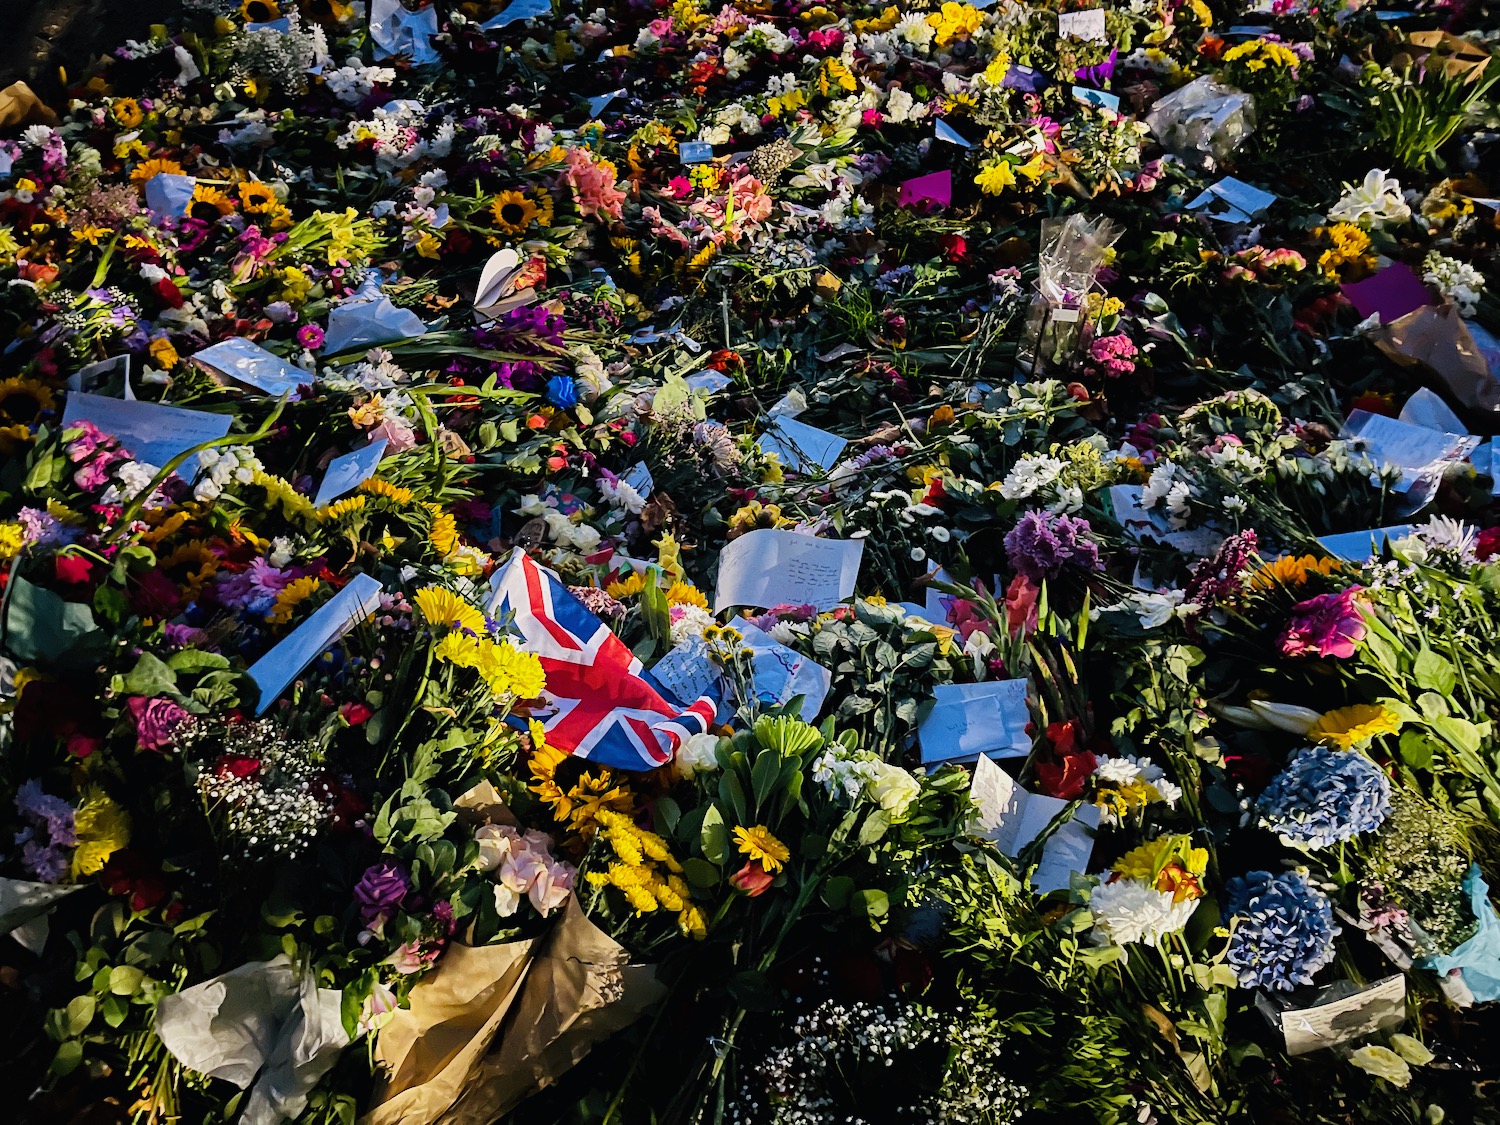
(544, 208)
(209, 204)
(127, 111)
(513, 211)
(24, 400)
(1351, 726)
(260, 11)
(388, 491)
(1292, 572)
(256, 196)
(190, 565)
(156, 166)
(762, 847)
(681, 593)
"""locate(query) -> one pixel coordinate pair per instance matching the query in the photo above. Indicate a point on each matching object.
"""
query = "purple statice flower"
(381, 889)
(1042, 545)
(46, 863)
(42, 529)
(1215, 579)
(1284, 932)
(46, 811)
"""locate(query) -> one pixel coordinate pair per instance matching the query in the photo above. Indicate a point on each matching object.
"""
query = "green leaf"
(196, 660)
(1416, 749)
(700, 873)
(79, 1014)
(667, 814)
(40, 626)
(150, 676)
(68, 1056)
(875, 826)
(837, 891)
(765, 777)
(1434, 673)
(872, 904)
(713, 837)
(114, 1009)
(125, 980)
(732, 793)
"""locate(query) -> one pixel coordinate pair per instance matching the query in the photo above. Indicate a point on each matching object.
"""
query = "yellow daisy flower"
(762, 847)
(1353, 726)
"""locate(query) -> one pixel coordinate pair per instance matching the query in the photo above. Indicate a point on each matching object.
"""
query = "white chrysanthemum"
(1129, 910)
(688, 623)
(915, 29)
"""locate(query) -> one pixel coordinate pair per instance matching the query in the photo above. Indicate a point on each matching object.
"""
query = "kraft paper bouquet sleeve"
(497, 1023)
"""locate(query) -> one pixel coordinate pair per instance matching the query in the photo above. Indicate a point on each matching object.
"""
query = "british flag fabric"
(601, 704)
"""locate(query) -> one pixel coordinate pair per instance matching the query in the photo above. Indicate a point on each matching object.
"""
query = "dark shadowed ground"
(39, 36)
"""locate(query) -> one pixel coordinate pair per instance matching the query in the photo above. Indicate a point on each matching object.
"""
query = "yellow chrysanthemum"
(1353, 726)
(509, 671)
(458, 649)
(444, 607)
(955, 21)
(103, 828)
(443, 534)
(691, 922)
(280, 493)
(12, 539)
(762, 847)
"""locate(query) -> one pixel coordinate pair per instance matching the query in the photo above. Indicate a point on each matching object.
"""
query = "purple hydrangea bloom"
(1042, 545)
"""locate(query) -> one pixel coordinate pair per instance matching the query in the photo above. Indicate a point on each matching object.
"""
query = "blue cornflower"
(1284, 930)
(1324, 796)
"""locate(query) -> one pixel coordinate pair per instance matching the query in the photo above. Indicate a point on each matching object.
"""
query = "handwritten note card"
(94, 376)
(967, 720)
(1087, 26)
(1350, 1013)
(772, 567)
(1419, 452)
(348, 472)
(779, 674)
(686, 674)
(149, 431)
(246, 362)
(1011, 818)
(800, 447)
(274, 671)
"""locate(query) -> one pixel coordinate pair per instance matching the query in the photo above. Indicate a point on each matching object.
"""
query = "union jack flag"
(601, 703)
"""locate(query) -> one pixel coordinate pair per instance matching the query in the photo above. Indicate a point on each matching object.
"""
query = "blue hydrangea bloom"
(1324, 796)
(1284, 930)
(562, 392)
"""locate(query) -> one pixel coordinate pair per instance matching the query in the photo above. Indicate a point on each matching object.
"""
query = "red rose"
(1488, 542)
(241, 766)
(356, 713)
(168, 293)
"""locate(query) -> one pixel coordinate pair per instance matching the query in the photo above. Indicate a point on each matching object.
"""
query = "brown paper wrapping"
(1436, 339)
(19, 106)
(1457, 56)
(494, 1024)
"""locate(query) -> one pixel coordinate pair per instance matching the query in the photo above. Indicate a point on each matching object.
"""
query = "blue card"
(247, 362)
(968, 720)
(695, 152)
(150, 432)
(274, 671)
(348, 472)
(799, 447)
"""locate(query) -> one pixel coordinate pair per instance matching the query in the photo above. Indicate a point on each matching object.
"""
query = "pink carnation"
(1327, 625)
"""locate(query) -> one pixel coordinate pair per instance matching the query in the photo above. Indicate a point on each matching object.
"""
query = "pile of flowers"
(1145, 355)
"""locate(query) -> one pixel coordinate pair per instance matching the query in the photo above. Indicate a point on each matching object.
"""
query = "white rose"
(893, 787)
(696, 755)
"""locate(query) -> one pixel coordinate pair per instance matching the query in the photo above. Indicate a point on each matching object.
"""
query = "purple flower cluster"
(48, 832)
(1043, 545)
(1213, 580)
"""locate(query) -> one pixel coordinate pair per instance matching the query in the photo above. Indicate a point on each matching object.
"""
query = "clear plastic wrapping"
(1072, 253)
(1205, 118)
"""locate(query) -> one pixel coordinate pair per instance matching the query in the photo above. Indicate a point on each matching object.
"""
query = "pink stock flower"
(1327, 625)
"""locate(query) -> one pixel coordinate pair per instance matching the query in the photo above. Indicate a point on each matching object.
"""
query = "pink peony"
(1327, 625)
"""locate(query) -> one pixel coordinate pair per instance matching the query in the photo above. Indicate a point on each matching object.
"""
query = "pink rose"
(156, 721)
